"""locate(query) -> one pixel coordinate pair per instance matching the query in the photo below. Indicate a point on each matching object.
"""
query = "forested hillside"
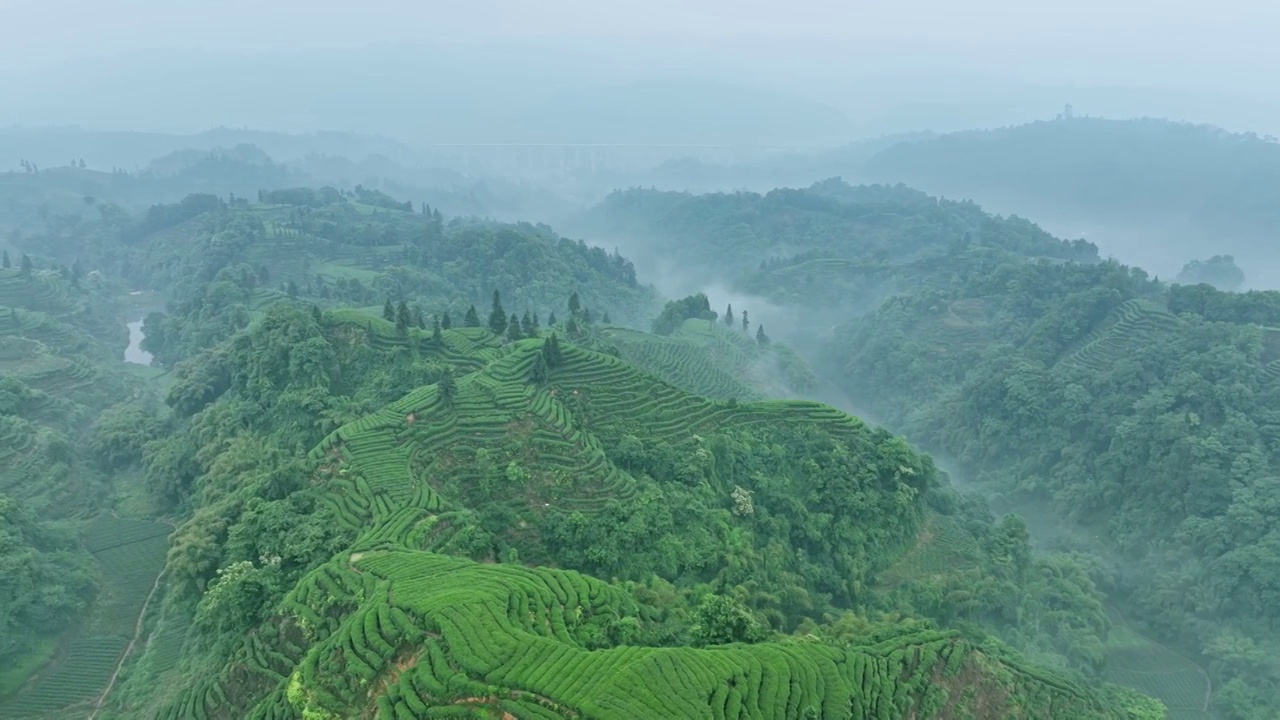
(421, 467)
(1086, 390)
(1155, 191)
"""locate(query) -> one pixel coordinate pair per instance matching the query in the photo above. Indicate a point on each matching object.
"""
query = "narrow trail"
(124, 657)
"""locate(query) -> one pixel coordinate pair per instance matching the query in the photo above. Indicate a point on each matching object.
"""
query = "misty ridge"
(622, 362)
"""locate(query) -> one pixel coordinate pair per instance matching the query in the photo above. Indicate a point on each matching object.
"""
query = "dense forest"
(394, 464)
(1156, 191)
(1139, 410)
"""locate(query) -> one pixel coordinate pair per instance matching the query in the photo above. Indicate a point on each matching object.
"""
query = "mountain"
(1148, 191)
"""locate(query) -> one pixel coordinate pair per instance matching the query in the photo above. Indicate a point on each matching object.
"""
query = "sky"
(830, 51)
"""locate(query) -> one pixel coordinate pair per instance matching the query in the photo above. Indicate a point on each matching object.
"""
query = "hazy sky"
(849, 54)
(1221, 33)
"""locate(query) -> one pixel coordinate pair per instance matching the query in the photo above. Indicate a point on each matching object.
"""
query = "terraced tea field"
(1138, 662)
(1131, 326)
(130, 555)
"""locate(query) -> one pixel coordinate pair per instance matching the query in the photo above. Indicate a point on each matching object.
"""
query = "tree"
(403, 318)
(606, 319)
(728, 315)
(551, 351)
(575, 305)
(436, 335)
(419, 320)
(6, 261)
(513, 328)
(445, 322)
(720, 620)
(539, 373)
(551, 319)
(760, 336)
(448, 387)
(586, 315)
(472, 318)
(497, 316)
(526, 325)
(746, 325)
(264, 276)
(26, 264)
(292, 289)
(315, 313)
(389, 311)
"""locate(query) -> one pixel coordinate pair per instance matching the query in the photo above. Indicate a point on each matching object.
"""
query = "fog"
(567, 70)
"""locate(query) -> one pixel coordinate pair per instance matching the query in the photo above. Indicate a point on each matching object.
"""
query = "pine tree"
(497, 316)
(472, 318)
(728, 315)
(264, 275)
(535, 324)
(571, 327)
(513, 328)
(448, 388)
(539, 373)
(292, 289)
(436, 335)
(445, 322)
(551, 319)
(419, 320)
(606, 319)
(315, 314)
(6, 261)
(26, 265)
(760, 336)
(586, 315)
(389, 311)
(526, 325)
(403, 318)
(551, 351)
(746, 325)
(575, 305)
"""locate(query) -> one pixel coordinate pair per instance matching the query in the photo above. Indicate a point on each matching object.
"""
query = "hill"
(1149, 191)
(538, 454)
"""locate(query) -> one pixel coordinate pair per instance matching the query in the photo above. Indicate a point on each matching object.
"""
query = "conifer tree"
(526, 325)
(291, 289)
(436, 335)
(575, 304)
(551, 351)
(445, 322)
(606, 319)
(513, 328)
(315, 313)
(571, 326)
(551, 319)
(497, 316)
(388, 311)
(419, 319)
(535, 323)
(586, 315)
(539, 372)
(403, 318)
(472, 318)
(760, 336)
(746, 325)
(27, 267)
(6, 261)
(448, 387)
(728, 315)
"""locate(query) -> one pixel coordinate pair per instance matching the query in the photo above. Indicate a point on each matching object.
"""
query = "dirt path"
(137, 633)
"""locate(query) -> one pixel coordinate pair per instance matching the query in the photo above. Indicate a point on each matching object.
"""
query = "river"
(134, 353)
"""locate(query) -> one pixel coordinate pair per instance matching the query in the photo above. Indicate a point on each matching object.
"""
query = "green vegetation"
(378, 513)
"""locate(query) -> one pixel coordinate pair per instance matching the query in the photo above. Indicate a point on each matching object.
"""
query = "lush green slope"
(72, 590)
(1141, 411)
(544, 453)
(830, 247)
